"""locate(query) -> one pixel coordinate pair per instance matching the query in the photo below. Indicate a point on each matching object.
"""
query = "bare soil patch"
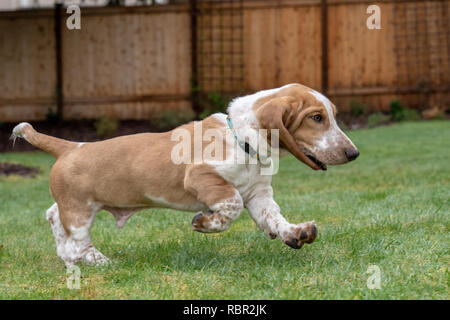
(7, 169)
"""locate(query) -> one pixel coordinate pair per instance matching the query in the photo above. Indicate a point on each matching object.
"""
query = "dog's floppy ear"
(282, 113)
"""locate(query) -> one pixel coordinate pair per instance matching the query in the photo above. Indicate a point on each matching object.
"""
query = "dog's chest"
(246, 178)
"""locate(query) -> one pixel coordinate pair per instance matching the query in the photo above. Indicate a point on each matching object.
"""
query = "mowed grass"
(389, 208)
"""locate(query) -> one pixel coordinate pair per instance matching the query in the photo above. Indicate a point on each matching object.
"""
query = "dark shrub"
(401, 113)
(396, 109)
(169, 119)
(378, 118)
(358, 108)
(105, 127)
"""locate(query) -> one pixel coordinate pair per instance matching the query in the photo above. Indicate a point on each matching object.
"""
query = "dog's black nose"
(351, 154)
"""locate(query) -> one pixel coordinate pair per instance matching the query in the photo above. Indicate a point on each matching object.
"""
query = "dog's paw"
(95, 258)
(200, 220)
(303, 233)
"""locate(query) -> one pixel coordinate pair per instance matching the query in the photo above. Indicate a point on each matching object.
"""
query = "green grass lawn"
(389, 208)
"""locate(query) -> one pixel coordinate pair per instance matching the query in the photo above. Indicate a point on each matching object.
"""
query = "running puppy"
(130, 173)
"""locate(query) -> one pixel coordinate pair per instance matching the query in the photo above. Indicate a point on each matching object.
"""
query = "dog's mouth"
(322, 165)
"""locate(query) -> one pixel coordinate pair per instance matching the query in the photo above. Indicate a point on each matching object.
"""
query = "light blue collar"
(243, 144)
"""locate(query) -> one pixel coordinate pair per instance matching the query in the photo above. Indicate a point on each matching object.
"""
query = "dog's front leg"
(223, 200)
(267, 215)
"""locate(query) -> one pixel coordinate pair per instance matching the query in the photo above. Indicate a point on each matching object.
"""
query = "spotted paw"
(200, 220)
(95, 257)
(302, 233)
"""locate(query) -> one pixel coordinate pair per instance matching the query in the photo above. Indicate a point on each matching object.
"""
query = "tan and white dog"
(126, 174)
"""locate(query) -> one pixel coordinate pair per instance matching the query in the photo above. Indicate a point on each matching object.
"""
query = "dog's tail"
(52, 145)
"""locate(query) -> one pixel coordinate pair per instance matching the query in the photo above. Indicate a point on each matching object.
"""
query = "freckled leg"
(59, 233)
(267, 215)
(223, 200)
(220, 216)
(71, 232)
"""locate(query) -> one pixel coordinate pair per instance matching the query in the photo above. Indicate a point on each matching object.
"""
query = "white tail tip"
(17, 132)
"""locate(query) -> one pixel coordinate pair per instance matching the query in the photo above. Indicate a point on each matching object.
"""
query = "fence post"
(194, 63)
(324, 44)
(59, 60)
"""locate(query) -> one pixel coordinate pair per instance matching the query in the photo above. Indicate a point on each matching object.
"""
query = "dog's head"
(307, 126)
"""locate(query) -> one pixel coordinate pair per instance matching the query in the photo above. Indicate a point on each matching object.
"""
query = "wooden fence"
(131, 63)
(126, 63)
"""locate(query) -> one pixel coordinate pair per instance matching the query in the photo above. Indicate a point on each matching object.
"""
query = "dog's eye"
(317, 118)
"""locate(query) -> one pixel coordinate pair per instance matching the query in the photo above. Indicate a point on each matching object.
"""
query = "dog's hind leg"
(73, 242)
(224, 201)
(59, 233)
